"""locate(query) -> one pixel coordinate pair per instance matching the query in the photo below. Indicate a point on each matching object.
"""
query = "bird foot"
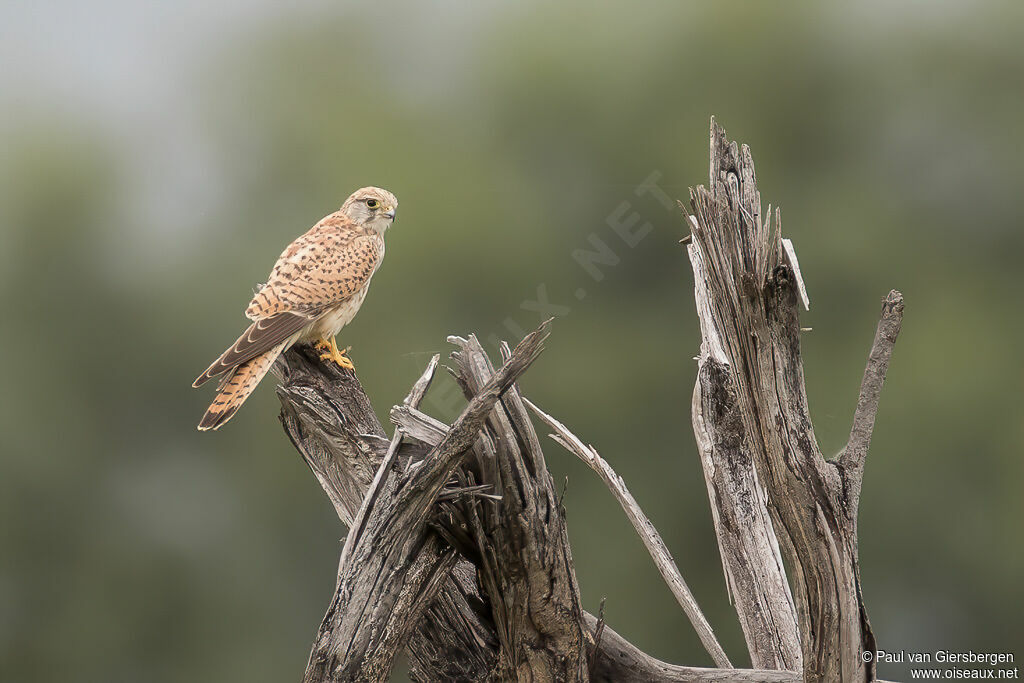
(332, 352)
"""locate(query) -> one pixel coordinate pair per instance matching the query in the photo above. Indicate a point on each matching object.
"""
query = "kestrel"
(315, 289)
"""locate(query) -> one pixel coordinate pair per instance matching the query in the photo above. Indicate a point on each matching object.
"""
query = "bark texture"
(519, 543)
(328, 417)
(750, 408)
(458, 554)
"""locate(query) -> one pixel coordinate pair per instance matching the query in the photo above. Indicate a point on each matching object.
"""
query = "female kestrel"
(315, 289)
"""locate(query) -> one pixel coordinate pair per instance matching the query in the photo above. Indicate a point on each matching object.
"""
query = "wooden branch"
(391, 601)
(851, 460)
(373, 610)
(521, 544)
(515, 611)
(614, 659)
(327, 415)
(330, 421)
(412, 399)
(328, 418)
(751, 560)
(379, 599)
(382, 591)
(648, 533)
(753, 405)
(618, 661)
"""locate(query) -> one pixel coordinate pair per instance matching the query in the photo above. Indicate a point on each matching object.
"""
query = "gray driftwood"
(648, 534)
(329, 419)
(519, 542)
(457, 552)
(757, 443)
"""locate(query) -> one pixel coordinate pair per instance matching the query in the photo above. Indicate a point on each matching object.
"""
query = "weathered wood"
(390, 600)
(329, 419)
(751, 560)
(619, 661)
(510, 609)
(457, 640)
(327, 415)
(382, 588)
(851, 460)
(753, 409)
(373, 493)
(648, 533)
(526, 562)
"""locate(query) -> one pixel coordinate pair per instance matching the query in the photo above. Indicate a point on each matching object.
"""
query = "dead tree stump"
(458, 553)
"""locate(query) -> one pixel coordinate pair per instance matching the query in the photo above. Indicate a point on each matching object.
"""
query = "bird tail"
(236, 387)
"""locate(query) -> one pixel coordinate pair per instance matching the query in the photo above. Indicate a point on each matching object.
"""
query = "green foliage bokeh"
(134, 548)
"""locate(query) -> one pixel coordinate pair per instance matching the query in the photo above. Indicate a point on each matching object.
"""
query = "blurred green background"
(157, 158)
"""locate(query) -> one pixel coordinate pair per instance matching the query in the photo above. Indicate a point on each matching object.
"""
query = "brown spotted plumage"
(315, 289)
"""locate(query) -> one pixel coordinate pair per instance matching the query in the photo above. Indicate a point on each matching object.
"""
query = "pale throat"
(380, 224)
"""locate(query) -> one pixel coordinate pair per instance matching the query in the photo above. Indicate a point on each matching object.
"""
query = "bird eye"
(372, 203)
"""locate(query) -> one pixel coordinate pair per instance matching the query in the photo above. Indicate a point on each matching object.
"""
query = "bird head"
(371, 207)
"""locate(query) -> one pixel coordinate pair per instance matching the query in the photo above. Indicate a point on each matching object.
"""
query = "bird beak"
(390, 213)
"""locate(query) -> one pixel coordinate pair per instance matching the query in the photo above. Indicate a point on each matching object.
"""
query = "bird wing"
(325, 267)
(319, 270)
(262, 335)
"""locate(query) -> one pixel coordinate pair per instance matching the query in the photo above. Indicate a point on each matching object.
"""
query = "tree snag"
(458, 552)
(750, 408)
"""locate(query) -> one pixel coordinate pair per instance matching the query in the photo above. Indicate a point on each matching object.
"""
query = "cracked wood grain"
(328, 417)
(648, 533)
(382, 590)
(751, 420)
(509, 608)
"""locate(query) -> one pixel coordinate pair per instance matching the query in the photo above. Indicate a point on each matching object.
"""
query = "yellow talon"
(334, 353)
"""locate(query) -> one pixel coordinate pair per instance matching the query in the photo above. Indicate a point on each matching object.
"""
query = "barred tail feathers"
(262, 335)
(237, 386)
